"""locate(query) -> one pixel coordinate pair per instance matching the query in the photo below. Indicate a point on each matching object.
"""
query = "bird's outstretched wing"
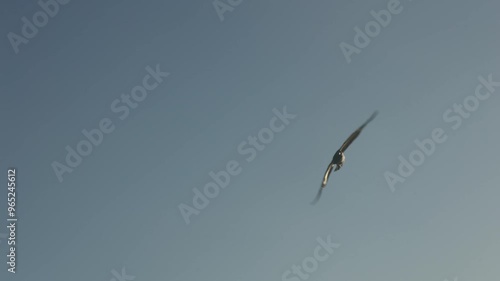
(327, 174)
(323, 184)
(356, 133)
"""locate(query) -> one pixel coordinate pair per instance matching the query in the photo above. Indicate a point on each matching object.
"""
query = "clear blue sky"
(120, 206)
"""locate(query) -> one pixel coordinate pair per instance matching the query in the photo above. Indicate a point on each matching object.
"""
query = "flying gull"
(339, 158)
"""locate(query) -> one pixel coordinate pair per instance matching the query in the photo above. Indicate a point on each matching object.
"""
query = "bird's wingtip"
(316, 199)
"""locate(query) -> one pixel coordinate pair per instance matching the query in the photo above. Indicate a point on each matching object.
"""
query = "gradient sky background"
(119, 208)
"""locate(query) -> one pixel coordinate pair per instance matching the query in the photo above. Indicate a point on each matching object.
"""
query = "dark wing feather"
(356, 133)
(317, 196)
